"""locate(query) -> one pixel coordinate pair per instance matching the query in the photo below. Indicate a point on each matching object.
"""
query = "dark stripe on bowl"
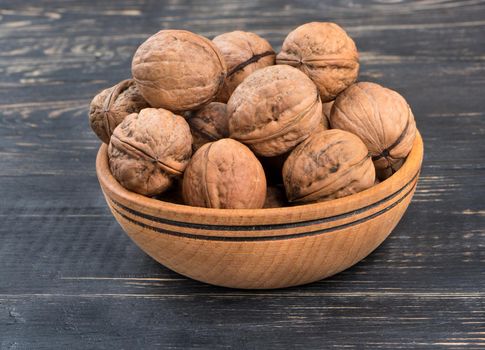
(263, 227)
(266, 238)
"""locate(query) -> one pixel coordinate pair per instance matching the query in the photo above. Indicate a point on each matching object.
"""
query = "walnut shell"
(385, 173)
(148, 150)
(224, 174)
(243, 52)
(274, 109)
(178, 70)
(112, 105)
(275, 197)
(324, 52)
(328, 165)
(380, 117)
(327, 107)
(208, 124)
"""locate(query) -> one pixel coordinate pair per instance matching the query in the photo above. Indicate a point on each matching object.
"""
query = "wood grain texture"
(70, 278)
(263, 248)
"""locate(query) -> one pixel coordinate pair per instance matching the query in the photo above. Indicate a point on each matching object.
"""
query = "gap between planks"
(435, 295)
(124, 278)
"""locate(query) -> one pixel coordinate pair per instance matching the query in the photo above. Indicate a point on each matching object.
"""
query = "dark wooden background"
(71, 279)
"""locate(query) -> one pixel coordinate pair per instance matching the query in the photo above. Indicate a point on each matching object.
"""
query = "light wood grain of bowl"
(263, 248)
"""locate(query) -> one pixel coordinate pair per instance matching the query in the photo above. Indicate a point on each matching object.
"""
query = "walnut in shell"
(111, 106)
(274, 109)
(208, 124)
(385, 173)
(224, 174)
(324, 52)
(148, 150)
(329, 164)
(243, 52)
(380, 117)
(275, 197)
(178, 70)
(327, 107)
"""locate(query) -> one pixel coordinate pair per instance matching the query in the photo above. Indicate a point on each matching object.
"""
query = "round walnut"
(380, 117)
(274, 109)
(178, 70)
(324, 52)
(149, 150)
(208, 124)
(243, 52)
(111, 106)
(224, 174)
(329, 164)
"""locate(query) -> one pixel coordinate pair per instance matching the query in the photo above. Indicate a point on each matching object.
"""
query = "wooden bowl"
(263, 248)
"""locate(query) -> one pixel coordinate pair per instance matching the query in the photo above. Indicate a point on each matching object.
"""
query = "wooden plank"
(371, 321)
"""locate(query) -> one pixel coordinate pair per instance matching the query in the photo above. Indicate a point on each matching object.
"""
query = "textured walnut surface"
(243, 52)
(112, 105)
(178, 70)
(275, 197)
(385, 173)
(329, 164)
(209, 124)
(274, 109)
(327, 107)
(380, 117)
(224, 174)
(324, 52)
(148, 150)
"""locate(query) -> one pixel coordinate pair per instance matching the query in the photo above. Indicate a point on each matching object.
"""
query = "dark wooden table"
(71, 279)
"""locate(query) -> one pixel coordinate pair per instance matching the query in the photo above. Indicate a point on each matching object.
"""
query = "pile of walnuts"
(229, 123)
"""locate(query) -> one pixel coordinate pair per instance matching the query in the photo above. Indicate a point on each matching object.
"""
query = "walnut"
(380, 117)
(275, 197)
(329, 164)
(112, 105)
(208, 124)
(149, 149)
(324, 52)
(243, 52)
(324, 123)
(326, 107)
(224, 174)
(385, 173)
(178, 70)
(274, 109)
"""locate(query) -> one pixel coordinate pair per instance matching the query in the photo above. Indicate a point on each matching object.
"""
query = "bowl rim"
(408, 172)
